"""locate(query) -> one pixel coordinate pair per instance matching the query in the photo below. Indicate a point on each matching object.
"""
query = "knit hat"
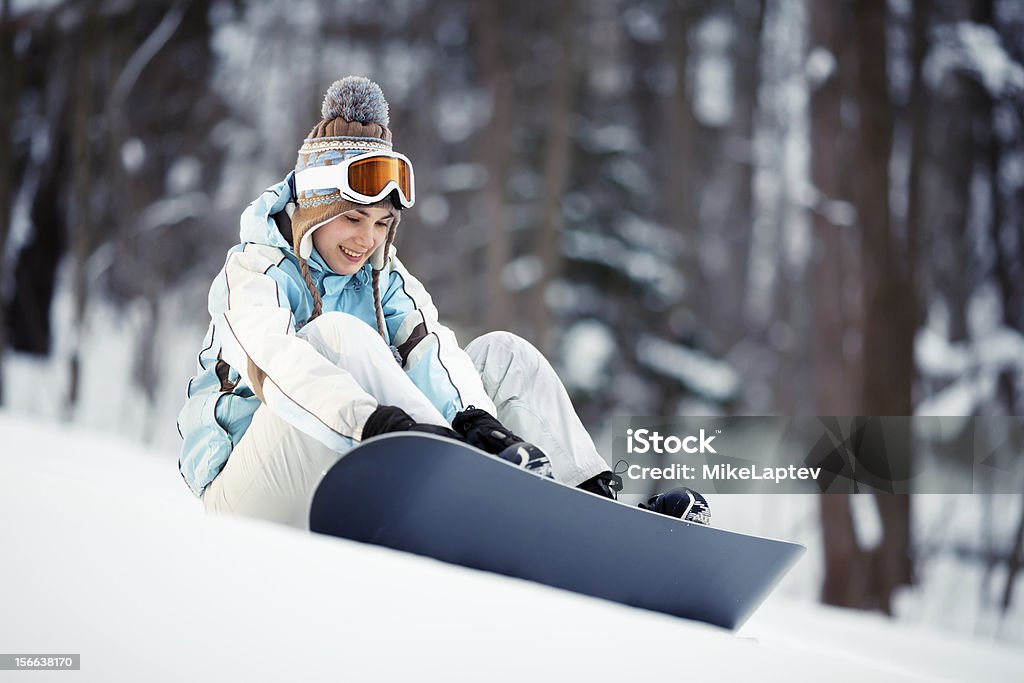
(354, 121)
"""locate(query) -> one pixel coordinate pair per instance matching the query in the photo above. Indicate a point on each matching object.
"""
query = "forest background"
(759, 207)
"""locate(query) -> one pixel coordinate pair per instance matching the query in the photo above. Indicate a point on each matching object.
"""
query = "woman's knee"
(341, 333)
(503, 348)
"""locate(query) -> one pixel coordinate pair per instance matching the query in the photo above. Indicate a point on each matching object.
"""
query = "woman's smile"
(352, 255)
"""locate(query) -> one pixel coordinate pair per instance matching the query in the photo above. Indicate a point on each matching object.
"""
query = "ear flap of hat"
(379, 258)
(305, 245)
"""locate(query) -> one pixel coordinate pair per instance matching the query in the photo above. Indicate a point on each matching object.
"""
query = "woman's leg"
(271, 474)
(533, 403)
(273, 471)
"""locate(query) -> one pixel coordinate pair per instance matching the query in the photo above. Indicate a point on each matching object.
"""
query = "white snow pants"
(275, 468)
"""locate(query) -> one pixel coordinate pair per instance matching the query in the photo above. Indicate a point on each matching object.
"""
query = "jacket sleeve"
(253, 300)
(431, 355)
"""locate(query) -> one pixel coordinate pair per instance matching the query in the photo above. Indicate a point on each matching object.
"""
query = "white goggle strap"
(321, 178)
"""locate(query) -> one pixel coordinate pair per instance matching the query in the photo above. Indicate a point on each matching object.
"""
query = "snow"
(935, 356)
(587, 348)
(184, 175)
(641, 233)
(642, 25)
(630, 175)
(713, 72)
(609, 138)
(522, 272)
(433, 210)
(114, 559)
(20, 7)
(133, 154)
(959, 398)
(461, 177)
(976, 49)
(700, 372)
(914, 650)
(820, 66)
(164, 213)
(457, 115)
(110, 397)
(983, 361)
(642, 266)
(972, 366)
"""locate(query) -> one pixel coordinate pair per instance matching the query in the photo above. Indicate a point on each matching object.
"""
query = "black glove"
(481, 429)
(393, 419)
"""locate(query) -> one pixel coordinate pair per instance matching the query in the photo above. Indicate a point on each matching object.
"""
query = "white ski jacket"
(251, 353)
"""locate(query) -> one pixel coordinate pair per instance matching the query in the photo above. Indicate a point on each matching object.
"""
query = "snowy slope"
(105, 553)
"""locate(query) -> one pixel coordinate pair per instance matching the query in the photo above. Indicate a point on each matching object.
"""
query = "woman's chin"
(345, 267)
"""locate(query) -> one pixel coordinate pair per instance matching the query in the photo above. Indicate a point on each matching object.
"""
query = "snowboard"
(435, 497)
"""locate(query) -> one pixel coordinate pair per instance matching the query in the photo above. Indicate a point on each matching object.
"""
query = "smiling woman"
(299, 363)
(346, 241)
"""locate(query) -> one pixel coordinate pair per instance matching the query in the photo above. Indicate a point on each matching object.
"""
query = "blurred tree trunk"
(919, 121)
(889, 293)
(944, 180)
(833, 388)
(82, 163)
(1007, 238)
(1014, 562)
(856, 577)
(9, 89)
(679, 191)
(496, 143)
(1005, 233)
(557, 156)
(727, 314)
(36, 262)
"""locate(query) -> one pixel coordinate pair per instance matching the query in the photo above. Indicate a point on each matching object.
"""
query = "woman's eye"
(352, 219)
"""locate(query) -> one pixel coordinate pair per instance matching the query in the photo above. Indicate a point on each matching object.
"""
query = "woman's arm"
(430, 353)
(253, 300)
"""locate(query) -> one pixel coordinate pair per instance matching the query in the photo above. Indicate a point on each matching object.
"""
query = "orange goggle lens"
(371, 175)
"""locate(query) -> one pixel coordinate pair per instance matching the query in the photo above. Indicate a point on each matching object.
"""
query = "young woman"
(320, 338)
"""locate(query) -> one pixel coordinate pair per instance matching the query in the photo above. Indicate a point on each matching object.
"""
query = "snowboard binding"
(529, 457)
(682, 502)
(481, 429)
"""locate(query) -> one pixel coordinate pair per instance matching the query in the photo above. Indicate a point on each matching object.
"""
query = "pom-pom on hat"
(355, 99)
(354, 121)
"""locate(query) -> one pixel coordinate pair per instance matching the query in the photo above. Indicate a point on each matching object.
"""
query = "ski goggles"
(363, 179)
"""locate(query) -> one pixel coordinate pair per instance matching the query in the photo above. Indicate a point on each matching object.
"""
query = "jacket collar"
(258, 225)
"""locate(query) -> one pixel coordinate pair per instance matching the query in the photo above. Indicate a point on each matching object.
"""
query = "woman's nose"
(364, 234)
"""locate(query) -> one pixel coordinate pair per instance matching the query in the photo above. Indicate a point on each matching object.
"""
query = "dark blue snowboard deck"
(434, 497)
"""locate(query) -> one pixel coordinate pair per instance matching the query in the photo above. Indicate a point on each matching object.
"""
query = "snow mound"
(106, 554)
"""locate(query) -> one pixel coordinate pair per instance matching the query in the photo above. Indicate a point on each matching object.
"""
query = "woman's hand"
(393, 419)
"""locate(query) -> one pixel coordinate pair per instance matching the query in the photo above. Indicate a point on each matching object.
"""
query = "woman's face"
(348, 240)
